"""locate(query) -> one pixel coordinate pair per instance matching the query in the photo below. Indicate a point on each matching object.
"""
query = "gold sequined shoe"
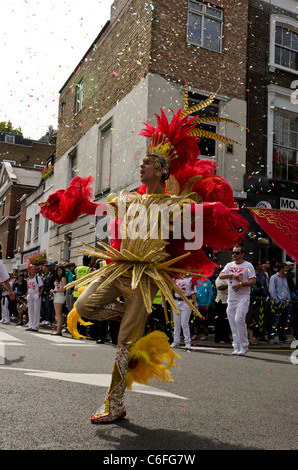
(113, 407)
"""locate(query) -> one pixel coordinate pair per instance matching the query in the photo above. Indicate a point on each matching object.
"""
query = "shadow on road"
(160, 439)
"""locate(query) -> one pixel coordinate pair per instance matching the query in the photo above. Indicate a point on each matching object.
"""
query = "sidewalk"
(210, 343)
(204, 343)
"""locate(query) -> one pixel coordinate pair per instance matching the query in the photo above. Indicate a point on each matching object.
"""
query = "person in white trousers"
(8, 292)
(4, 308)
(182, 320)
(34, 293)
(241, 275)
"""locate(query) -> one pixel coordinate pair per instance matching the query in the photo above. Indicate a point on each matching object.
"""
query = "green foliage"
(6, 126)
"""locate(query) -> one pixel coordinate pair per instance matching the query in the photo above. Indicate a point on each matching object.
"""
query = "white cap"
(289, 262)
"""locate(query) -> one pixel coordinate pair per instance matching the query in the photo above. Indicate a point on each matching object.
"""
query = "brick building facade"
(24, 152)
(21, 163)
(140, 62)
(272, 114)
(16, 183)
(264, 76)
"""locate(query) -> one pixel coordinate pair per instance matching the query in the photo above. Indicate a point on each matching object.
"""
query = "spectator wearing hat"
(48, 282)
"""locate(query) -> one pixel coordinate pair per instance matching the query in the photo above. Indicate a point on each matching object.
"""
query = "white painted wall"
(129, 148)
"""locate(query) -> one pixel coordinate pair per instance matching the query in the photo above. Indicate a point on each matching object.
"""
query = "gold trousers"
(93, 298)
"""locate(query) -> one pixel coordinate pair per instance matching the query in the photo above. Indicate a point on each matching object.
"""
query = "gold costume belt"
(144, 270)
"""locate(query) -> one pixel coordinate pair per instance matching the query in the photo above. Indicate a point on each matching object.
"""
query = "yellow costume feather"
(73, 318)
(150, 358)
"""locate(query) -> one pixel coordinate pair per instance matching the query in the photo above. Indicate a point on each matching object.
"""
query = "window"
(286, 47)
(39, 167)
(79, 97)
(104, 172)
(204, 26)
(10, 139)
(16, 238)
(29, 230)
(207, 146)
(72, 164)
(3, 207)
(283, 44)
(50, 160)
(36, 226)
(285, 145)
(62, 108)
(67, 246)
(46, 225)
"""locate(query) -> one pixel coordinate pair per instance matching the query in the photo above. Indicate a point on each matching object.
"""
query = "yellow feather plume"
(73, 319)
(199, 106)
(212, 135)
(153, 357)
(216, 119)
(200, 119)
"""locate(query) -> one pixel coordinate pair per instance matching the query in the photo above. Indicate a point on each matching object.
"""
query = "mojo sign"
(288, 204)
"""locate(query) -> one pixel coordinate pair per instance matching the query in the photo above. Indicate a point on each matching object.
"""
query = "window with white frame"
(46, 225)
(285, 145)
(204, 26)
(67, 246)
(286, 47)
(29, 230)
(10, 139)
(73, 164)
(79, 96)
(105, 153)
(284, 43)
(36, 226)
(39, 167)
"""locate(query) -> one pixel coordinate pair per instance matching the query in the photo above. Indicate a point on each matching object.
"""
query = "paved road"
(49, 387)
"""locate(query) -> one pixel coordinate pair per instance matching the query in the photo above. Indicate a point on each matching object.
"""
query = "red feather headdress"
(171, 142)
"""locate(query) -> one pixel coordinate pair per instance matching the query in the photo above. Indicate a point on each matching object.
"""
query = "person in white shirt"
(241, 275)
(6, 293)
(34, 293)
(182, 320)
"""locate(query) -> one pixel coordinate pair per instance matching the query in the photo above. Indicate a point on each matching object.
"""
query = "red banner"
(281, 226)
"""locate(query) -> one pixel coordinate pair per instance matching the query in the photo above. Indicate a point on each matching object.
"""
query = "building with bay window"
(272, 114)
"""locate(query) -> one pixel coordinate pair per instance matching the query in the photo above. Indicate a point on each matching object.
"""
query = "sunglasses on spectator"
(236, 252)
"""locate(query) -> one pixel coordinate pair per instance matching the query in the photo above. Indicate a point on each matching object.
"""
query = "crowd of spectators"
(41, 302)
(272, 315)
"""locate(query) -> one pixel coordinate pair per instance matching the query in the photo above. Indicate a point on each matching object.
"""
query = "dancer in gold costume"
(173, 181)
